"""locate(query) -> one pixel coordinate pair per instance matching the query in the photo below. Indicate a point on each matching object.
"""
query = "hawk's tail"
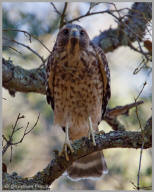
(91, 166)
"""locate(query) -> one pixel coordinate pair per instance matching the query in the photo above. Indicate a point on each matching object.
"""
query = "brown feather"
(78, 87)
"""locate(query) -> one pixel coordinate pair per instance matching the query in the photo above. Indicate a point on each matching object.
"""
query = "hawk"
(78, 90)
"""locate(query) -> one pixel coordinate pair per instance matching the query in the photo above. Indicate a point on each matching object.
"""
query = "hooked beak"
(74, 39)
(74, 34)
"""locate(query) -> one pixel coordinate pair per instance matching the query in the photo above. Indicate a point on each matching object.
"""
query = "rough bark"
(15, 78)
(82, 147)
(129, 30)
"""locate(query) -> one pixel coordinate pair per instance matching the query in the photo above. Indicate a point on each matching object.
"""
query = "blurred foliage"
(34, 25)
(8, 24)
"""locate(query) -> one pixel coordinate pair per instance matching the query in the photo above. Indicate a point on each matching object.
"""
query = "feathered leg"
(91, 131)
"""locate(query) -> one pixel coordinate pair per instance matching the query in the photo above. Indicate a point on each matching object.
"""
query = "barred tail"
(92, 166)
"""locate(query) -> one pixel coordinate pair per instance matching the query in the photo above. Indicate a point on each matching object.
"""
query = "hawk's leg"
(91, 131)
(67, 144)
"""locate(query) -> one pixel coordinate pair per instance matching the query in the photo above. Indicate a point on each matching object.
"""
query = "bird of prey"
(78, 90)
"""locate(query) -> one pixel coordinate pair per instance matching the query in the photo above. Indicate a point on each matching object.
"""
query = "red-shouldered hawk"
(78, 89)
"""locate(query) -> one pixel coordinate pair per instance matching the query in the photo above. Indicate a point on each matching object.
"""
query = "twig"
(141, 65)
(56, 10)
(140, 91)
(62, 22)
(112, 114)
(146, 187)
(91, 6)
(115, 7)
(135, 187)
(30, 36)
(138, 175)
(147, 55)
(11, 154)
(9, 142)
(94, 13)
(88, 13)
(26, 46)
(62, 15)
(143, 53)
(13, 49)
(122, 110)
(137, 36)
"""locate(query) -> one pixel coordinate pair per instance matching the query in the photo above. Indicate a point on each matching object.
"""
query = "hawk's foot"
(91, 131)
(66, 146)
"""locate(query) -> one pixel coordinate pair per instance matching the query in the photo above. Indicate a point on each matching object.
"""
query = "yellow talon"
(66, 146)
(65, 150)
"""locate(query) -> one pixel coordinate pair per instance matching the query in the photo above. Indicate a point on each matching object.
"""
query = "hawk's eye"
(82, 32)
(65, 31)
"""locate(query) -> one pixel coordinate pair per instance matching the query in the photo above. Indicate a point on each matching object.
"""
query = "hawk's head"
(72, 36)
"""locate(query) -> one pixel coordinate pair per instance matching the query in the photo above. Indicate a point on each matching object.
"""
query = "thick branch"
(15, 78)
(111, 115)
(129, 30)
(82, 147)
(122, 110)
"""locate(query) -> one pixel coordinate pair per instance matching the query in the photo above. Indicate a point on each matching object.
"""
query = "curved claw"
(66, 146)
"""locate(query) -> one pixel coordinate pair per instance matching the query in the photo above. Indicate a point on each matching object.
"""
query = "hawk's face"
(72, 36)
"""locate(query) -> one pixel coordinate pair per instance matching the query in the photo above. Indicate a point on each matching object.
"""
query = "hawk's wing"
(105, 71)
(50, 80)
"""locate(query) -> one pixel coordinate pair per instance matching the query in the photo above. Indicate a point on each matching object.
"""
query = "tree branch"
(129, 30)
(82, 147)
(62, 19)
(111, 115)
(26, 46)
(15, 78)
(30, 36)
(122, 110)
(9, 141)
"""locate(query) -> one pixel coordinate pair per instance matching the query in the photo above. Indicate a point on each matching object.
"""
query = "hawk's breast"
(78, 89)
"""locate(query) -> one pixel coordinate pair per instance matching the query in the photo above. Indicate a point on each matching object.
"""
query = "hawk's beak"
(74, 39)
(74, 34)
